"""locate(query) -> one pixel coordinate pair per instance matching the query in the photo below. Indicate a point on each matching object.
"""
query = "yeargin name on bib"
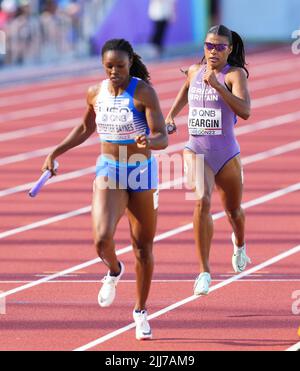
(205, 121)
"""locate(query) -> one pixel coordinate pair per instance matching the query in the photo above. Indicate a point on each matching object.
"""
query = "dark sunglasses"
(217, 47)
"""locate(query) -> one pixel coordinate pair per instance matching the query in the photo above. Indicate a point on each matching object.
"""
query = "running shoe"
(143, 329)
(107, 293)
(201, 286)
(240, 260)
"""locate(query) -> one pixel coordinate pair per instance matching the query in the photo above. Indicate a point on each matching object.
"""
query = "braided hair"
(237, 56)
(138, 68)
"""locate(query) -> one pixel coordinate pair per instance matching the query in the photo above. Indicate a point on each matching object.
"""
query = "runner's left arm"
(158, 138)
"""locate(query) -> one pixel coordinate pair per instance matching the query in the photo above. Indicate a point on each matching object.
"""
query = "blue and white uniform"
(118, 121)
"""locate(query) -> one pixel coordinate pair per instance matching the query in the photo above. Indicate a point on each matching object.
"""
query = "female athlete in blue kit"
(126, 113)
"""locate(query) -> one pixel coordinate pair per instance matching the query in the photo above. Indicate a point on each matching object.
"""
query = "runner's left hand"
(142, 141)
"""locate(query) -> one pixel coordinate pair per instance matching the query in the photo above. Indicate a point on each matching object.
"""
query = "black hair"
(237, 56)
(138, 68)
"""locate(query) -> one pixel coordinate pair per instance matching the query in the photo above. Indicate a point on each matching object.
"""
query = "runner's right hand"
(171, 127)
(49, 165)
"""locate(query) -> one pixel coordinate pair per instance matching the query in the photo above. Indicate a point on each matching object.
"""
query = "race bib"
(116, 124)
(205, 121)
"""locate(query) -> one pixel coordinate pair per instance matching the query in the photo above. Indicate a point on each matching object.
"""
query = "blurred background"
(39, 32)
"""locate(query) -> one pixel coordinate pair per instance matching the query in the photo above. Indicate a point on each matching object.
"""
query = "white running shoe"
(201, 286)
(240, 260)
(107, 293)
(143, 329)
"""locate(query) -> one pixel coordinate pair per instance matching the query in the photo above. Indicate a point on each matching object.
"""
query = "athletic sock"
(116, 274)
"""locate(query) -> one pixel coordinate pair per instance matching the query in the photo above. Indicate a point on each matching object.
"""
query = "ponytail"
(138, 68)
(237, 56)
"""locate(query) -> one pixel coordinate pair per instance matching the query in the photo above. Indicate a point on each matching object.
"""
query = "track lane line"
(190, 299)
(78, 173)
(246, 129)
(167, 185)
(173, 232)
(294, 348)
(279, 280)
(52, 108)
(181, 120)
(161, 87)
(260, 69)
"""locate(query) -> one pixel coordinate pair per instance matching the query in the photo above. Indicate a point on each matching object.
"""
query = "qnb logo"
(2, 304)
(296, 43)
(296, 303)
(2, 42)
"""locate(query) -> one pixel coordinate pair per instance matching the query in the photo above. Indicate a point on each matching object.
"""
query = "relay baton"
(41, 182)
(170, 129)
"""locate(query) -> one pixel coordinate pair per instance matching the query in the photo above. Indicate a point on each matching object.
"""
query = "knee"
(235, 214)
(103, 241)
(143, 252)
(203, 205)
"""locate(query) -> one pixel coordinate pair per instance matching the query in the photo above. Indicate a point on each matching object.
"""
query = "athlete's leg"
(230, 186)
(108, 207)
(142, 213)
(203, 222)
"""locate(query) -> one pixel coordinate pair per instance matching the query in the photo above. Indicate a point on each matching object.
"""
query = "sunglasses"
(217, 47)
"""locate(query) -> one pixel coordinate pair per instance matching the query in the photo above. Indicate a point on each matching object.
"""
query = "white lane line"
(294, 348)
(271, 68)
(155, 281)
(173, 232)
(45, 222)
(272, 152)
(77, 173)
(273, 82)
(71, 214)
(267, 66)
(25, 156)
(190, 299)
(181, 120)
(262, 125)
(60, 178)
(23, 133)
(276, 98)
(53, 108)
(161, 87)
(269, 123)
(254, 86)
(63, 105)
(167, 185)
(29, 113)
(245, 129)
(39, 153)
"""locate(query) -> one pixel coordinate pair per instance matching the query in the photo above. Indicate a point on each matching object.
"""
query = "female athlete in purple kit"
(126, 113)
(216, 91)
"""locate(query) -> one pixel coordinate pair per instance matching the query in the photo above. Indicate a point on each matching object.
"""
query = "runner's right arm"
(78, 135)
(182, 98)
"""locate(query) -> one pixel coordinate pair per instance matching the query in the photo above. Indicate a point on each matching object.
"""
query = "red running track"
(253, 312)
